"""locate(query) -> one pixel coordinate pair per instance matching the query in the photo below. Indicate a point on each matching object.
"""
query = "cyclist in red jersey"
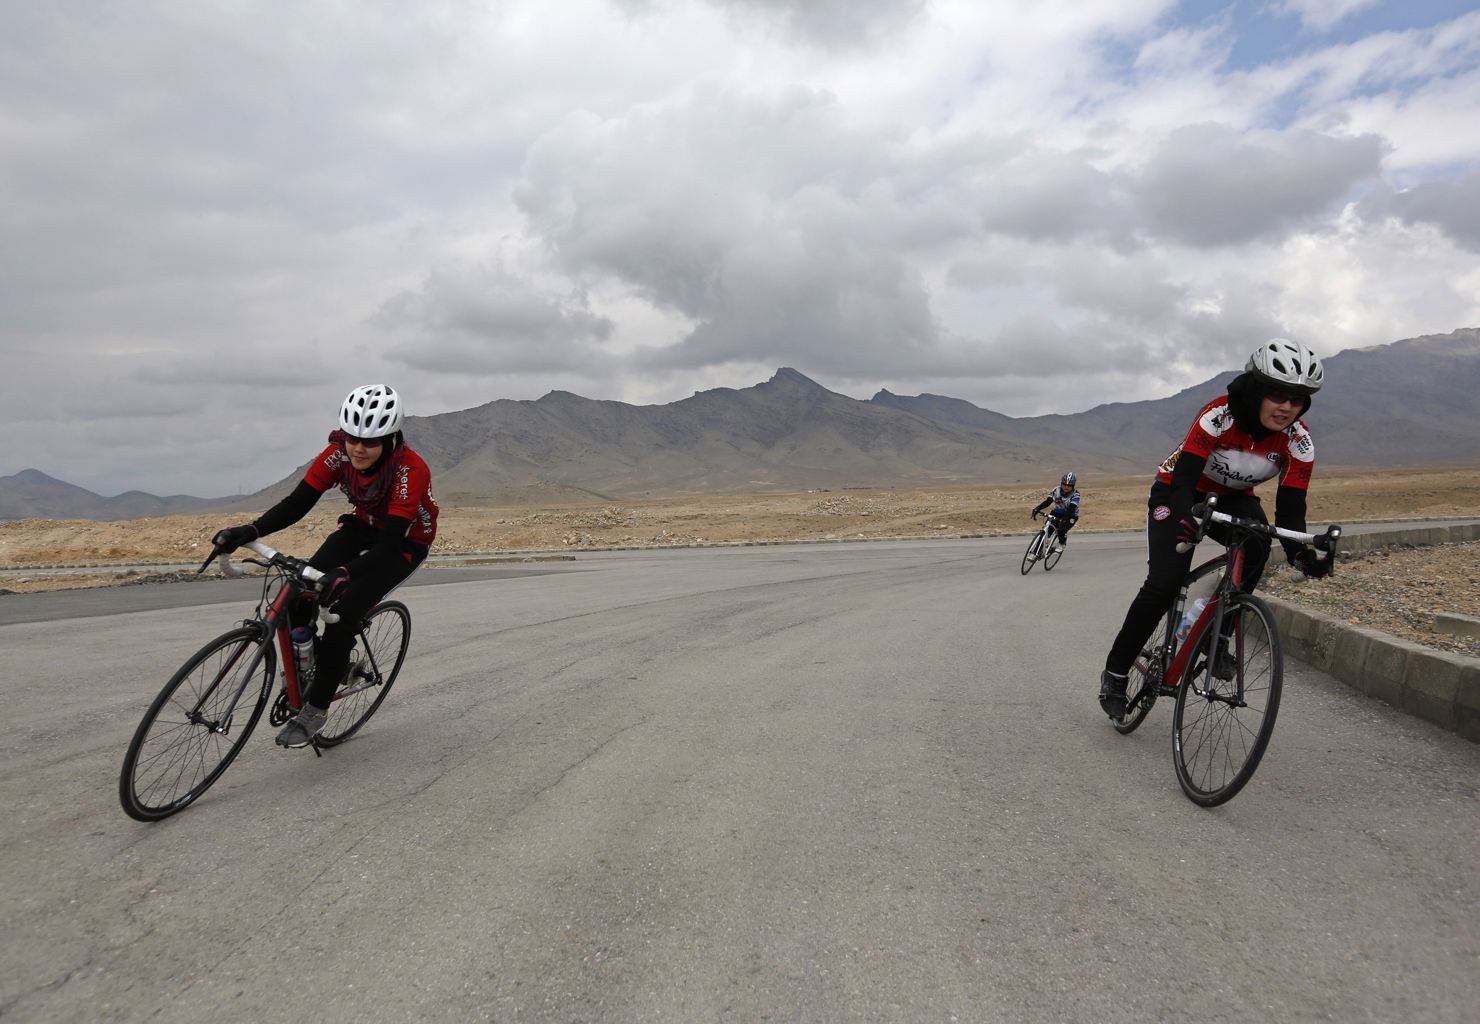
(374, 548)
(1252, 434)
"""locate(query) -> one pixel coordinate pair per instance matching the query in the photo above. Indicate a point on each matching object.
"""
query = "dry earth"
(1396, 591)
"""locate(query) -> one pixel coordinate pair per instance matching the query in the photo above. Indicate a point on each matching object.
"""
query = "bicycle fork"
(222, 725)
(1206, 673)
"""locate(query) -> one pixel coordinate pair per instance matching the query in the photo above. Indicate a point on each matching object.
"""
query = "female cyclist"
(1065, 500)
(1238, 440)
(374, 547)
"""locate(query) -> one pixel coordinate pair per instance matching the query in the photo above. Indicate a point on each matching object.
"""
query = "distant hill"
(788, 433)
(31, 494)
(1408, 403)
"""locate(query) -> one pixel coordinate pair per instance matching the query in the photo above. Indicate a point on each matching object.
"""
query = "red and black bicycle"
(1224, 667)
(205, 713)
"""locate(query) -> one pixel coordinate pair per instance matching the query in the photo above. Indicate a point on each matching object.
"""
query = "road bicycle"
(205, 713)
(1046, 546)
(1224, 668)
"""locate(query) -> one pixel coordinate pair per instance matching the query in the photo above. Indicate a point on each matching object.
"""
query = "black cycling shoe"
(1225, 666)
(1112, 694)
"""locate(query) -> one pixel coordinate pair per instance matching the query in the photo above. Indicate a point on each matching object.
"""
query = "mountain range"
(1411, 402)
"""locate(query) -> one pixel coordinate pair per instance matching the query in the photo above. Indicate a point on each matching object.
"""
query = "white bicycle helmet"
(1288, 364)
(373, 410)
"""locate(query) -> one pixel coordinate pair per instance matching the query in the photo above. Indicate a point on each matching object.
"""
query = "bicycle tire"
(1217, 740)
(1144, 683)
(1055, 552)
(1031, 555)
(179, 753)
(386, 633)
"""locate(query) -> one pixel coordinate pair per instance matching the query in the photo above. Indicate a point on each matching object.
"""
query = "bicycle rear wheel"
(1220, 727)
(374, 664)
(1144, 682)
(1035, 546)
(197, 725)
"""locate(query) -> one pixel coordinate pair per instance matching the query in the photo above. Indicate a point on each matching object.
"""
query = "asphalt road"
(818, 783)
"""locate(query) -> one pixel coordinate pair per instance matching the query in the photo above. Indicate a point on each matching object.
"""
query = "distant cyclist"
(373, 549)
(1065, 501)
(1239, 440)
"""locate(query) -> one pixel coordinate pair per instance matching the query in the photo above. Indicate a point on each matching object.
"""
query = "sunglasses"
(1283, 398)
(364, 442)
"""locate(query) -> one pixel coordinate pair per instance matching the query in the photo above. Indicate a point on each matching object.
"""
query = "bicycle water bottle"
(1193, 611)
(303, 652)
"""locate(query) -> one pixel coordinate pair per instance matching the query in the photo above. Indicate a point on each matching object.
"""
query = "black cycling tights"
(1166, 569)
(365, 588)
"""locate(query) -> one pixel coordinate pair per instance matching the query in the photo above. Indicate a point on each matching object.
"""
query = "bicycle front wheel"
(197, 725)
(373, 666)
(1227, 703)
(1054, 553)
(1031, 555)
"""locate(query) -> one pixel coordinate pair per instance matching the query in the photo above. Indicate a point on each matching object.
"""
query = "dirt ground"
(1337, 496)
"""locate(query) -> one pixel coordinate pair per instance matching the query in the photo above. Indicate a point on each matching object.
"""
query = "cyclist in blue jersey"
(1065, 512)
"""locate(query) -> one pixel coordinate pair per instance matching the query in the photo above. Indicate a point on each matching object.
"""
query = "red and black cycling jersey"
(1236, 463)
(407, 492)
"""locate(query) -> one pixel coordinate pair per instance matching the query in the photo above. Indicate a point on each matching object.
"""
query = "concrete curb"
(1418, 536)
(1437, 686)
(1457, 625)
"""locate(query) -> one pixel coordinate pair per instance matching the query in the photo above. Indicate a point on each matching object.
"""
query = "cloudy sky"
(218, 217)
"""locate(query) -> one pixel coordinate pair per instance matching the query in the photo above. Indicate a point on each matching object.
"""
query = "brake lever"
(1199, 512)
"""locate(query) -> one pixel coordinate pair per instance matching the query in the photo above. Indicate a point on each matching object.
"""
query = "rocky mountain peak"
(787, 375)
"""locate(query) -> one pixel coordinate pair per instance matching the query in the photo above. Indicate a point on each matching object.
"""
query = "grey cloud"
(203, 145)
(1451, 206)
(161, 383)
(1137, 292)
(1206, 186)
(1119, 321)
(765, 221)
(1053, 197)
(833, 23)
(1209, 185)
(485, 320)
(840, 313)
(790, 237)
